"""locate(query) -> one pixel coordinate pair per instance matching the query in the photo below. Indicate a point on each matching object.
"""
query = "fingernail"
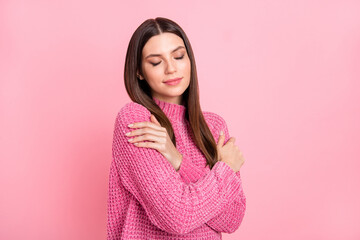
(130, 125)
(221, 132)
(127, 134)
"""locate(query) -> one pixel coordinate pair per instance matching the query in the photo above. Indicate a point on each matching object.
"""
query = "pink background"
(283, 74)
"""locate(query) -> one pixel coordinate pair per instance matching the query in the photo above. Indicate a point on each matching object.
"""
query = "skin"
(171, 64)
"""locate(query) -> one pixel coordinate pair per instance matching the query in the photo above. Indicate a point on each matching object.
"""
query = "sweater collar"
(171, 110)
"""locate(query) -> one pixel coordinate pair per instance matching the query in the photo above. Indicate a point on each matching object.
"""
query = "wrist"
(178, 163)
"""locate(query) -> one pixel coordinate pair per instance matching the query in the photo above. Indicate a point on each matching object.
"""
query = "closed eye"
(154, 64)
(178, 58)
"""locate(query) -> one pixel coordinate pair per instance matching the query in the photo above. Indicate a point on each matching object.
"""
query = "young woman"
(169, 178)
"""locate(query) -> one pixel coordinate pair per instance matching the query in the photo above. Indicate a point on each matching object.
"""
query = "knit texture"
(149, 199)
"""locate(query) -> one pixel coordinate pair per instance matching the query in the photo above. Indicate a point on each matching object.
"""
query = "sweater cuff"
(231, 182)
(184, 167)
(188, 171)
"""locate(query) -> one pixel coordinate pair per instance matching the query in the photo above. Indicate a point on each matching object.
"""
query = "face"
(165, 57)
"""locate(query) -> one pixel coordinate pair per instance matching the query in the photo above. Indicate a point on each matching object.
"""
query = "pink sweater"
(149, 199)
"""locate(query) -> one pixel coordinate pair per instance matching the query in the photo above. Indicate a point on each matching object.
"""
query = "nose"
(171, 67)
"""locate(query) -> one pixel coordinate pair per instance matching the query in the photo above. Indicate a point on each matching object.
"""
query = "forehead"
(162, 44)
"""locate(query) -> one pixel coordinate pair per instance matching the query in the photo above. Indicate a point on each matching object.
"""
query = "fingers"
(148, 145)
(147, 130)
(146, 124)
(221, 139)
(153, 134)
(147, 137)
(153, 118)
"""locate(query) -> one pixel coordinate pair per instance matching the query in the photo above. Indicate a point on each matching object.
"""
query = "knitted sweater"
(149, 199)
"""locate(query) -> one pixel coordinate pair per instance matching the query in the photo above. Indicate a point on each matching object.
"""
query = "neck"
(172, 110)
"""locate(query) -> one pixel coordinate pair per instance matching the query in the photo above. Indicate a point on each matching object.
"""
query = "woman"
(169, 179)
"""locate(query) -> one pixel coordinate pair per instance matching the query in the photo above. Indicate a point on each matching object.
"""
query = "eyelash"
(154, 64)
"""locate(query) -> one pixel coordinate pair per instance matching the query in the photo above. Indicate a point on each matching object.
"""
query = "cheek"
(186, 66)
(153, 72)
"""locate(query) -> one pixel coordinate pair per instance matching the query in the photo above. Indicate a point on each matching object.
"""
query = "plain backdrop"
(283, 74)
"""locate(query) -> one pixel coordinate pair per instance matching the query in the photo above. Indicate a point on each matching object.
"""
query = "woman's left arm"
(229, 220)
(231, 217)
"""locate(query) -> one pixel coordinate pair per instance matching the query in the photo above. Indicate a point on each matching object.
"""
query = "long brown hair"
(140, 91)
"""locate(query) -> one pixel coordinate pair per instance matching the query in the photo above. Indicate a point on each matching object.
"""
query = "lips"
(171, 80)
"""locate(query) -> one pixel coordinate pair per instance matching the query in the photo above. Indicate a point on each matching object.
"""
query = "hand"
(230, 153)
(158, 139)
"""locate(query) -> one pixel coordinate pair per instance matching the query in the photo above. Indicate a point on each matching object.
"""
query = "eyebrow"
(156, 55)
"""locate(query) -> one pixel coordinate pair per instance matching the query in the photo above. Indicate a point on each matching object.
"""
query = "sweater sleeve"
(171, 204)
(230, 218)
(188, 171)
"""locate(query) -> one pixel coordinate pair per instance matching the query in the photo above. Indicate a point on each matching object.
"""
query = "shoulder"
(132, 112)
(214, 120)
(216, 123)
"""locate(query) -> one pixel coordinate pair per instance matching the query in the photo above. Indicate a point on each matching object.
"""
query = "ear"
(139, 76)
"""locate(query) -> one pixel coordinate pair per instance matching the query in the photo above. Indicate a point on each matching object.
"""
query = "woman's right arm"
(171, 204)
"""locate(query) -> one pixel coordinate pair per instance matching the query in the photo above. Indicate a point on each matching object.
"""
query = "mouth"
(172, 80)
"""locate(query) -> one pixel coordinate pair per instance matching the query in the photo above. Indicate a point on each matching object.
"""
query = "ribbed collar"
(171, 110)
